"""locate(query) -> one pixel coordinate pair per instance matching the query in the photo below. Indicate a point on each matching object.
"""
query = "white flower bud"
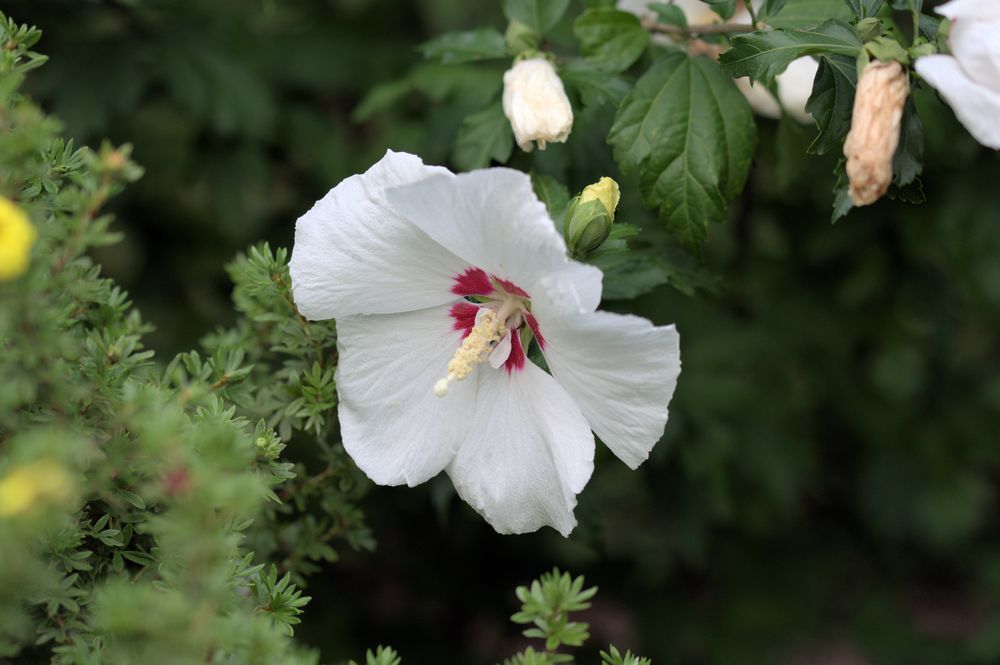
(874, 135)
(535, 102)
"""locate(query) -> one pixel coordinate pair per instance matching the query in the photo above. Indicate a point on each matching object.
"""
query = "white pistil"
(491, 326)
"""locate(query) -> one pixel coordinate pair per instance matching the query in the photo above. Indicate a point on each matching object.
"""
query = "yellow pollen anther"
(489, 329)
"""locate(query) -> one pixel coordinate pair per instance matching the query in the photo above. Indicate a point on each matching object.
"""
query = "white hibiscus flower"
(439, 283)
(969, 79)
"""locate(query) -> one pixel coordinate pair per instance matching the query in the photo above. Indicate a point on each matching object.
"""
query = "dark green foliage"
(824, 489)
(764, 55)
(688, 134)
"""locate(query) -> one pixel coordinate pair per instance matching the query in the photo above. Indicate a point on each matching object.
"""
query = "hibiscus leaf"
(724, 8)
(864, 8)
(842, 203)
(799, 14)
(832, 102)
(539, 15)
(594, 85)
(553, 194)
(689, 134)
(484, 135)
(469, 46)
(908, 161)
(610, 39)
(770, 9)
(764, 55)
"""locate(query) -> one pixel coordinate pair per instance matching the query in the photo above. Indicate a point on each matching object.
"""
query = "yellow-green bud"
(590, 216)
(604, 190)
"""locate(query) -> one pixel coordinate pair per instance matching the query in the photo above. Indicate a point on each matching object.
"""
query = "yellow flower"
(17, 235)
(26, 485)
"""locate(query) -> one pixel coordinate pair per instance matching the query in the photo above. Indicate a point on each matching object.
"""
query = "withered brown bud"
(874, 135)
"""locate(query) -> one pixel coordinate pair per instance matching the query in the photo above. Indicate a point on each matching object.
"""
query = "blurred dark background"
(826, 491)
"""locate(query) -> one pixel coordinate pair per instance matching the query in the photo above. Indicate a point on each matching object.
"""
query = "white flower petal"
(576, 288)
(975, 105)
(976, 46)
(528, 454)
(392, 424)
(621, 371)
(354, 255)
(492, 219)
(971, 9)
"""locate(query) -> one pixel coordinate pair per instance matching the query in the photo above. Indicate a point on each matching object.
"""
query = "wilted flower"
(874, 136)
(439, 283)
(969, 79)
(535, 102)
(17, 235)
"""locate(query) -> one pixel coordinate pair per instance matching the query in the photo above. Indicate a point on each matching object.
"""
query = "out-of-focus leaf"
(610, 39)
(539, 15)
(468, 46)
(594, 85)
(484, 135)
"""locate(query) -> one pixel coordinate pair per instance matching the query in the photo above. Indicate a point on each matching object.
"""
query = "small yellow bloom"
(604, 190)
(17, 235)
(26, 485)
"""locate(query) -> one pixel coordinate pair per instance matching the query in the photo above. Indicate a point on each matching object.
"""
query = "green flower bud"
(590, 216)
(520, 37)
(869, 28)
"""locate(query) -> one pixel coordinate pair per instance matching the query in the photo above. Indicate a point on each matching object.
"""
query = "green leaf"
(724, 8)
(764, 55)
(457, 47)
(553, 194)
(539, 15)
(842, 203)
(864, 8)
(832, 102)
(798, 14)
(670, 14)
(594, 85)
(908, 161)
(771, 8)
(689, 134)
(610, 39)
(484, 135)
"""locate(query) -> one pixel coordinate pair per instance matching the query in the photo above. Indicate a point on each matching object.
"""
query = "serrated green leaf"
(468, 46)
(908, 161)
(539, 15)
(610, 39)
(594, 85)
(764, 55)
(484, 135)
(832, 102)
(842, 203)
(689, 134)
(799, 14)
